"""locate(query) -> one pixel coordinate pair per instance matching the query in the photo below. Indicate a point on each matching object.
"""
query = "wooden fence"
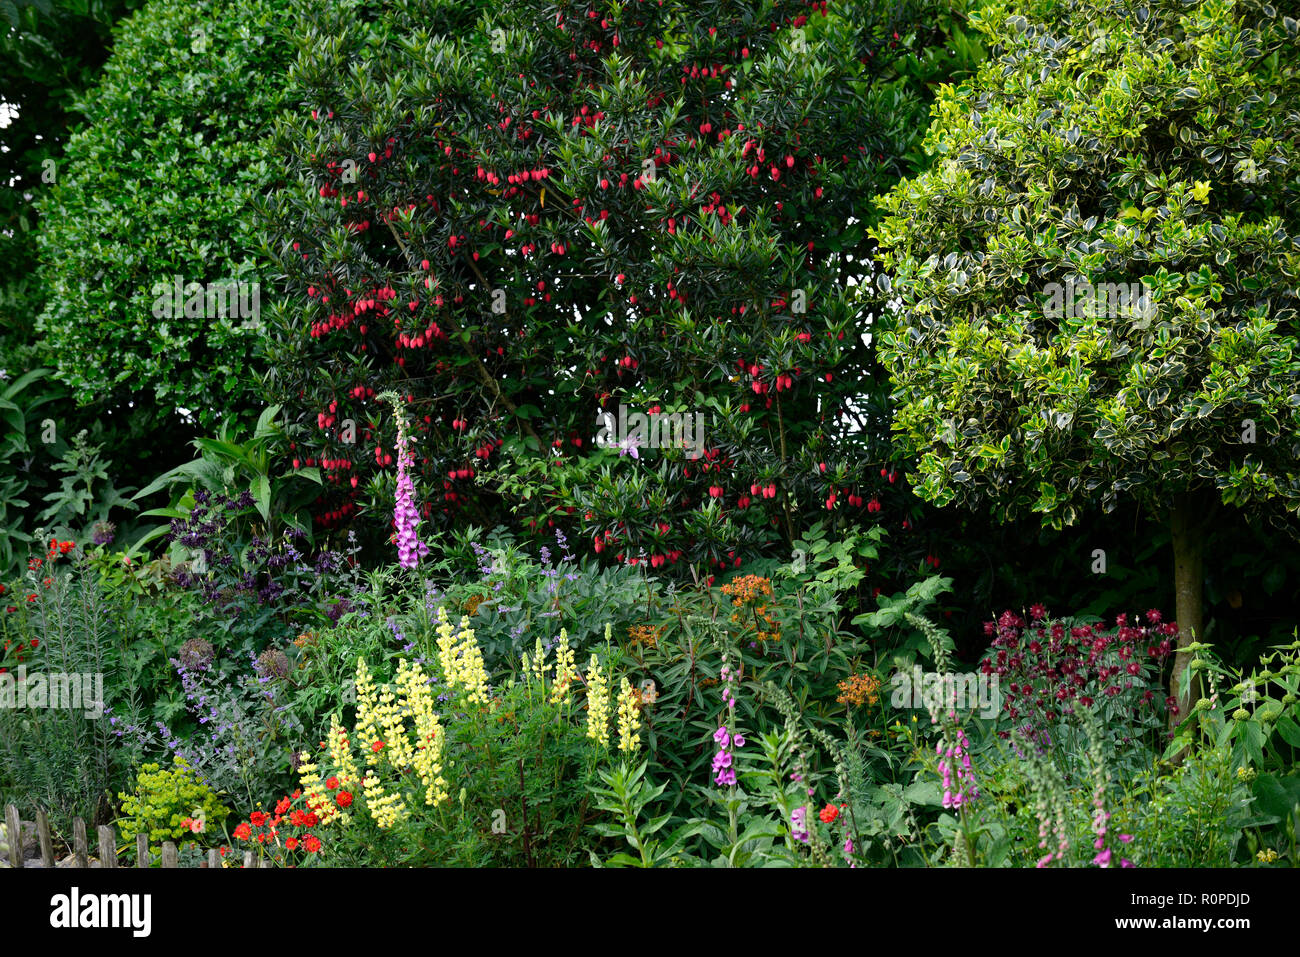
(107, 845)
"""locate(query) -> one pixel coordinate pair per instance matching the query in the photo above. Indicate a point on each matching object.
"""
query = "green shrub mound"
(156, 186)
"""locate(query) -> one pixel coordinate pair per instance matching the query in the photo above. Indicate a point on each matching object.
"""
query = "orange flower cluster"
(753, 589)
(306, 640)
(859, 690)
(746, 588)
(647, 635)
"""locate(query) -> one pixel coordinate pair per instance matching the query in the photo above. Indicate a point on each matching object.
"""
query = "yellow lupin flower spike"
(473, 673)
(629, 717)
(367, 708)
(428, 732)
(597, 703)
(539, 663)
(565, 672)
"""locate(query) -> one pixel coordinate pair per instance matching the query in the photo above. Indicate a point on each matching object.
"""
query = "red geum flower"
(257, 818)
(312, 843)
(243, 832)
(331, 782)
(291, 843)
(344, 798)
(829, 813)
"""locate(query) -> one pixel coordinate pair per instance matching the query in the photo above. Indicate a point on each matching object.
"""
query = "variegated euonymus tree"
(1107, 147)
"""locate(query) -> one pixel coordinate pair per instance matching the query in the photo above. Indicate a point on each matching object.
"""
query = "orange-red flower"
(344, 799)
(829, 813)
(243, 832)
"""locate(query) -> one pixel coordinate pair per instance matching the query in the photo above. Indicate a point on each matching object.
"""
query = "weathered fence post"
(43, 835)
(169, 855)
(79, 848)
(107, 847)
(214, 859)
(15, 827)
(142, 850)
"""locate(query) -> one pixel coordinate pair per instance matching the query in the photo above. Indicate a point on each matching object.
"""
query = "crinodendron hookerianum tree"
(1107, 146)
(521, 216)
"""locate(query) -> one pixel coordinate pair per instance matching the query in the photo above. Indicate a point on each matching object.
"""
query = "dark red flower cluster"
(1045, 668)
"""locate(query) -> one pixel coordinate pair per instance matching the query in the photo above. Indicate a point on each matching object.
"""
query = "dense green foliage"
(50, 52)
(524, 228)
(153, 191)
(1095, 149)
(411, 600)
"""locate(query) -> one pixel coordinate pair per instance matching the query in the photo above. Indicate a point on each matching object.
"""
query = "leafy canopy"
(1149, 144)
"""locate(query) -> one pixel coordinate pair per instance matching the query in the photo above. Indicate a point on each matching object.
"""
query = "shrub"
(156, 185)
(168, 805)
(1153, 150)
(524, 219)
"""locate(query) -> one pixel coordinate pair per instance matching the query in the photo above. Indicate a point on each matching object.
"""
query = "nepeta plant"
(243, 738)
(260, 590)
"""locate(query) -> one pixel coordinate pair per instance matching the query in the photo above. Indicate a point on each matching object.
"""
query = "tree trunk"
(1187, 522)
